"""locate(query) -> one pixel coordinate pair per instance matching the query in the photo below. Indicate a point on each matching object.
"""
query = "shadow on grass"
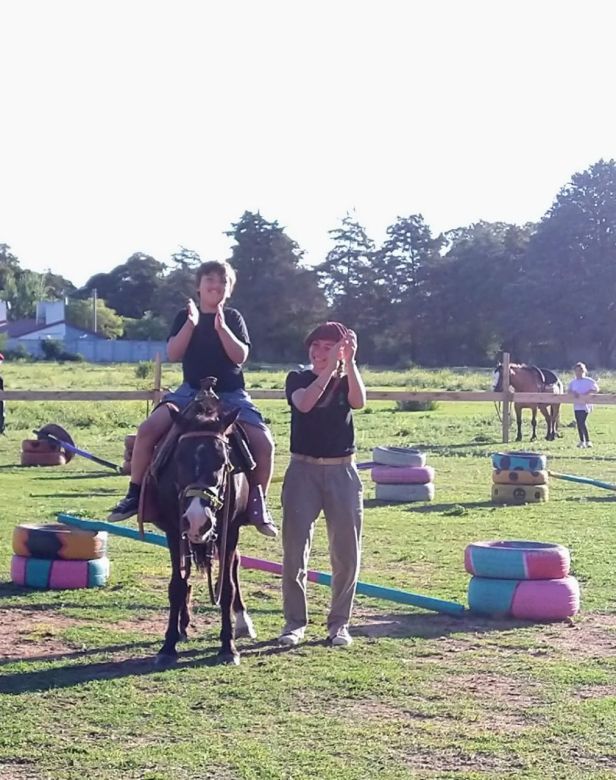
(427, 508)
(397, 625)
(80, 475)
(76, 674)
(104, 492)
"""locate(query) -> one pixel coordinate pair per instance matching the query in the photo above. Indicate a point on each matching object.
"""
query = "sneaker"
(290, 638)
(582, 445)
(589, 444)
(124, 509)
(341, 638)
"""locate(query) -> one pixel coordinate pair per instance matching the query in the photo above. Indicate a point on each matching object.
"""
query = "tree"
(22, 290)
(569, 271)
(109, 324)
(177, 284)
(9, 265)
(278, 297)
(149, 328)
(129, 288)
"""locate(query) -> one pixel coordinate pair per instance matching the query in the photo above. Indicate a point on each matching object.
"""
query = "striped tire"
(519, 494)
(404, 493)
(517, 560)
(518, 477)
(538, 600)
(37, 445)
(59, 575)
(55, 458)
(402, 475)
(398, 456)
(58, 542)
(524, 461)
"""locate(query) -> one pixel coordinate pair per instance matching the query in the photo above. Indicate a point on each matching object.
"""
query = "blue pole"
(584, 480)
(319, 577)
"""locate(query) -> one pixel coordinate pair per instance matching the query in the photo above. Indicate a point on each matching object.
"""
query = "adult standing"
(322, 476)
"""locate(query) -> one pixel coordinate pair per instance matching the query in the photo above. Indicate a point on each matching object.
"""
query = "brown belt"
(323, 461)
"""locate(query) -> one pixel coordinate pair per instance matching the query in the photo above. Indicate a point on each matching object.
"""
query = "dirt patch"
(595, 691)
(18, 771)
(32, 633)
(591, 636)
(457, 760)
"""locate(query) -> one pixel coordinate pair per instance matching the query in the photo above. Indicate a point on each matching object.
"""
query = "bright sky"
(139, 125)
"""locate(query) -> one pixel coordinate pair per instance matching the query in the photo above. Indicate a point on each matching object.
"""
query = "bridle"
(211, 497)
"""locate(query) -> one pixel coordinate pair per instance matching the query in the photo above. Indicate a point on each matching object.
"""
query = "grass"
(417, 694)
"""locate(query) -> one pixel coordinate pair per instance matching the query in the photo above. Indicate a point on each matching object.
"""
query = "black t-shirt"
(206, 356)
(326, 431)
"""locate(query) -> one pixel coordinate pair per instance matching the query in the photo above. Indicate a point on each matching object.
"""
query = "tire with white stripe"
(402, 475)
(526, 461)
(398, 456)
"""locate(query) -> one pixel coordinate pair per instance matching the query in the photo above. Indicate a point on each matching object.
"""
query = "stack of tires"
(39, 452)
(56, 557)
(401, 474)
(129, 444)
(519, 478)
(523, 580)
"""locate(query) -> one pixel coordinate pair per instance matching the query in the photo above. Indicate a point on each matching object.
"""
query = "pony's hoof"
(229, 659)
(165, 661)
(183, 637)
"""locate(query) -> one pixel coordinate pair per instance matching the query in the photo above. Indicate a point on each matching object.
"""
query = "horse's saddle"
(546, 376)
(242, 461)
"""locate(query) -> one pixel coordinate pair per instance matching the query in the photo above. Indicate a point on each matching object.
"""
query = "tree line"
(545, 291)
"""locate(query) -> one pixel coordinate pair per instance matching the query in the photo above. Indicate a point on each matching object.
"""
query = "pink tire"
(402, 475)
(537, 600)
(518, 560)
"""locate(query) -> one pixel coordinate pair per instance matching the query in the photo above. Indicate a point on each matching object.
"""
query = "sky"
(145, 126)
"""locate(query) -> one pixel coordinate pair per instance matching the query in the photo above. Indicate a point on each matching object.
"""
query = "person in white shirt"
(579, 387)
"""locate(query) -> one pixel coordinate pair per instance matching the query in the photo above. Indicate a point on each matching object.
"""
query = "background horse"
(202, 502)
(530, 379)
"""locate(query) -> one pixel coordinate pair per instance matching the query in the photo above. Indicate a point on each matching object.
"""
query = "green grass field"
(416, 695)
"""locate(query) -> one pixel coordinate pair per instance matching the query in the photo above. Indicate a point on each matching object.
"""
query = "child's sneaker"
(341, 638)
(125, 508)
(589, 444)
(582, 445)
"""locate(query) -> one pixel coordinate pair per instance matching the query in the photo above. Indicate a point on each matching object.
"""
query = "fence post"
(506, 397)
(158, 368)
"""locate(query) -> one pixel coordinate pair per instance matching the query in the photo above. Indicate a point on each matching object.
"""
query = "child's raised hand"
(349, 346)
(219, 319)
(193, 312)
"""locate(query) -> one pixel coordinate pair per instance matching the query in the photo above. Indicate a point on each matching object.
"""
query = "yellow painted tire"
(58, 542)
(519, 494)
(503, 477)
(43, 458)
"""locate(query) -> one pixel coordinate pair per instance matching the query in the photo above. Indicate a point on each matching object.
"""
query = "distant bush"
(18, 353)
(143, 369)
(416, 406)
(54, 350)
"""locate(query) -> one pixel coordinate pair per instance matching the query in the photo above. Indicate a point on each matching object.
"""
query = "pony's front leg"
(228, 652)
(178, 588)
(243, 622)
(185, 612)
(545, 411)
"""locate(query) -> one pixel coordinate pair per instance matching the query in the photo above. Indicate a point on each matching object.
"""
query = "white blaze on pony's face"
(198, 520)
(496, 378)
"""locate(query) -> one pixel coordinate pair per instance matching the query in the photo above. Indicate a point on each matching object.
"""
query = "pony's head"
(202, 465)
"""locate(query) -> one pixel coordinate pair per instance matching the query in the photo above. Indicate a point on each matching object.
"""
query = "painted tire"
(59, 575)
(404, 493)
(517, 560)
(402, 475)
(60, 433)
(126, 467)
(43, 459)
(37, 445)
(519, 461)
(519, 494)
(538, 600)
(519, 477)
(398, 456)
(58, 542)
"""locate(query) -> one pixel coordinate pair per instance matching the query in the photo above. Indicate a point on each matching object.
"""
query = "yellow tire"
(503, 477)
(58, 542)
(519, 494)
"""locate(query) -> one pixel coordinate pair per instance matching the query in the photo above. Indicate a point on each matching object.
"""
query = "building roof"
(18, 328)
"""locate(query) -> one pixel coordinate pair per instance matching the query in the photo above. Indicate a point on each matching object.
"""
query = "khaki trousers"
(308, 489)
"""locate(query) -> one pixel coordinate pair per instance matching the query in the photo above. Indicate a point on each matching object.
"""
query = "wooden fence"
(506, 397)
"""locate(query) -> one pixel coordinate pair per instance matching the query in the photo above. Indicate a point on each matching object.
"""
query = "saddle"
(546, 377)
(242, 461)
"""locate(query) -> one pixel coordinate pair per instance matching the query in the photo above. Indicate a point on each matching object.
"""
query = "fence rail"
(473, 396)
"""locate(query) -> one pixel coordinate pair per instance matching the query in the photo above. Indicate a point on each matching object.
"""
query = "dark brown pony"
(202, 502)
(530, 379)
